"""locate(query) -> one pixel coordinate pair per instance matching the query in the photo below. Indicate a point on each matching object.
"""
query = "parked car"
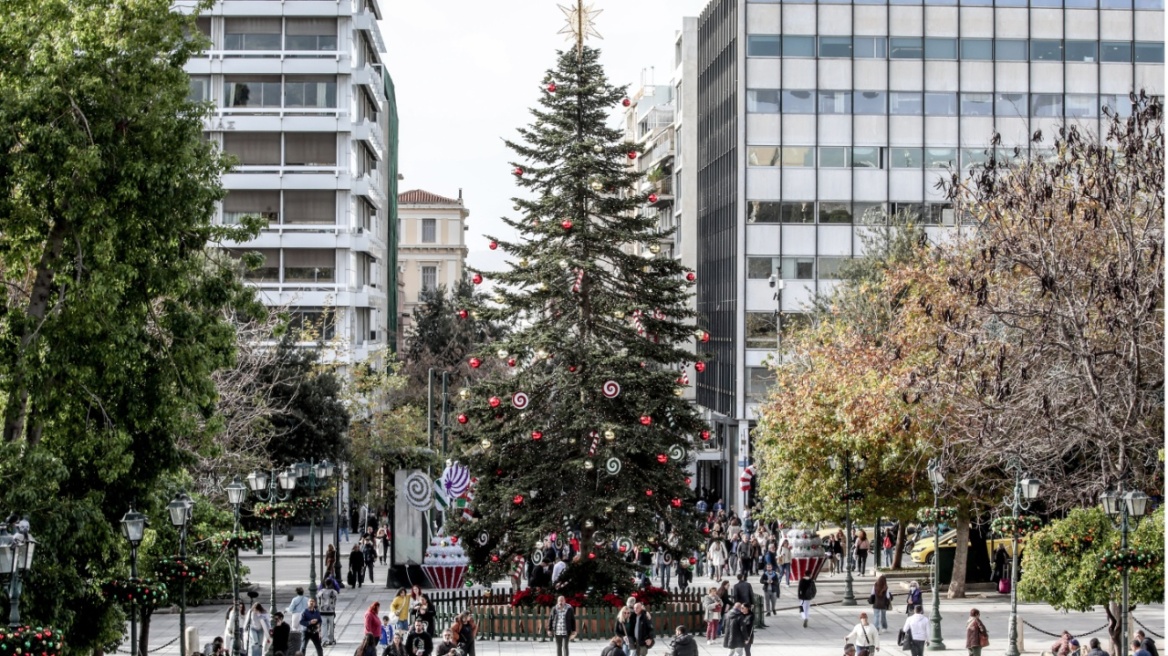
(922, 552)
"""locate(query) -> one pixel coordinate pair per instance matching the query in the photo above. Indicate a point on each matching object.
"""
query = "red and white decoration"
(747, 476)
(445, 564)
(807, 553)
(520, 400)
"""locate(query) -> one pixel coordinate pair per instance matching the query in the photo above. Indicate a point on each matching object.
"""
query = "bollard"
(192, 640)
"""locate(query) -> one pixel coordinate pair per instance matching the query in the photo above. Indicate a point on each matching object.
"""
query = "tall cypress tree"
(585, 429)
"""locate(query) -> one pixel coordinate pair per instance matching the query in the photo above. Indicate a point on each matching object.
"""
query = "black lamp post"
(936, 478)
(236, 493)
(277, 487)
(1124, 510)
(180, 517)
(1025, 491)
(848, 464)
(16, 551)
(134, 530)
(312, 471)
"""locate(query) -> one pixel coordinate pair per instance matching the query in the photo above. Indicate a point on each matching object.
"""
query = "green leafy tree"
(313, 422)
(111, 322)
(1062, 564)
(588, 314)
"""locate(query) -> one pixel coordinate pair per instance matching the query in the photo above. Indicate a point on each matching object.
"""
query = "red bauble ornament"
(510, 362)
(462, 314)
(705, 337)
(626, 102)
(551, 87)
(498, 472)
(572, 368)
(688, 480)
(646, 420)
(475, 363)
(648, 493)
(676, 503)
(623, 548)
(652, 198)
(699, 367)
(493, 245)
(705, 435)
(462, 419)
(518, 499)
(632, 154)
(518, 171)
(706, 530)
(477, 279)
(494, 401)
(691, 276)
(591, 555)
(566, 225)
(662, 458)
(494, 558)
(536, 435)
(693, 561)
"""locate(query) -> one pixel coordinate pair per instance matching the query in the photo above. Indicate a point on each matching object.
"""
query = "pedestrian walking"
(448, 645)
(399, 611)
(373, 620)
(727, 604)
(326, 602)
(889, 545)
(312, 622)
(1096, 648)
(368, 646)
(739, 630)
(418, 641)
(770, 588)
(280, 632)
(639, 630)
(662, 565)
(258, 631)
(976, 635)
(1147, 643)
(916, 629)
(369, 553)
(298, 605)
(863, 545)
(622, 622)
(806, 593)
(864, 636)
(881, 600)
(383, 541)
(562, 625)
(1137, 647)
(914, 597)
(233, 630)
(743, 593)
(467, 632)
(683, 643)
(712, 605)
(784, 556)
(716, 553)
(330, 562)
(615, 647)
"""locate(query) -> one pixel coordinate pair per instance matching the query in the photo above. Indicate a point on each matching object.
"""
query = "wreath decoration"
(244, 540)
(28, 640)
(1132, 558)
(278, 510)
(1023, 524)
(942, 515)
(312, 504)
(135, 591)
(173, 569)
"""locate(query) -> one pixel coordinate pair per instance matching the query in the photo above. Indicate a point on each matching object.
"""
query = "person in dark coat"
(1147, 643)
(419, 642)
(356, 565)
(615, 647)
(683, 643)
(743, 592)
(561, 625)
(639, 631)
(1000, 560)
(806, 594)
(280, 632)
(739, 629)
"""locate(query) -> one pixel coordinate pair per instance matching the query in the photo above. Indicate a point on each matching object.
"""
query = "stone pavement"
(830, 621)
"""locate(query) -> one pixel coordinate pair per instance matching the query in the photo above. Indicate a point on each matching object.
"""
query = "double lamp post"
(848, 464)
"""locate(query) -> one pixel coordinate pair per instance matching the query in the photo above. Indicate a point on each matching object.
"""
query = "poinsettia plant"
(545, 598)
(30, 641)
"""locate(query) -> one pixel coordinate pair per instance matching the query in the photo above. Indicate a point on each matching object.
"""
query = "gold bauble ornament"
(588, 464)
(610, 435)
(655, 248)
(463, 393)
(486, 444)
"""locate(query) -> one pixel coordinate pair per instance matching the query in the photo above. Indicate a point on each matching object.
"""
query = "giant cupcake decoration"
(445, 563)
(807, 554)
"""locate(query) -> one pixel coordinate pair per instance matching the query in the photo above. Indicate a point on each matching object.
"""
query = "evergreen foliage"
(586, 311)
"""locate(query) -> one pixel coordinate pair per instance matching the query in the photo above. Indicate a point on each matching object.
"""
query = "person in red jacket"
(373, 620)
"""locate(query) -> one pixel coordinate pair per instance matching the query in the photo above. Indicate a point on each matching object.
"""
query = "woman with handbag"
(976, 635)
(712, 604)
(881, 600)
(914, 597)
(865, 637)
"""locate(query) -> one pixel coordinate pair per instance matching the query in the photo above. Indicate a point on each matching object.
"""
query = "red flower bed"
(542, 597)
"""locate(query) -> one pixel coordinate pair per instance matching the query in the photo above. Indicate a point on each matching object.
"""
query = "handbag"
(872, 599)
(983, 635)
(985, 640)
(901, 641)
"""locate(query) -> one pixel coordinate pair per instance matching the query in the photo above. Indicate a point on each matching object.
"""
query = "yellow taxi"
(922, 552)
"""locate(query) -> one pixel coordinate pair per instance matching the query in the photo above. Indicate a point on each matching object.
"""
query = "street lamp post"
(1025, 491)
(936, 478)
(848, 464)
(134, 529)
(1121, 508)
(312, 471)
(180, 517)
(236, 493)
(270, 489)
(16, 551)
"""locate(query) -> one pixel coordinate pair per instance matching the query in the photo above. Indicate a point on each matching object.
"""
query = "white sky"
(466, 72)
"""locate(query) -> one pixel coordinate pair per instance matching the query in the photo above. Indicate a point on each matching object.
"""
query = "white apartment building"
(815, 118)
(302, 100)
(433, 248)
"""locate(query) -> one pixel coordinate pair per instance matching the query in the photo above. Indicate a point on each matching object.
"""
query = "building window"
(310, 149)
(834, 157)
(758, 211)
(1046, 50)
(866, 157)
(940, 214)
(798, 102)
(762, 101)
(761, 268)
(763, 45)
(940, 158)
(251, 34)
(429, 278)
(1010, 104)
(1152, 53)
(1049, 105)
(870, 47)
(905, 48)
(317, 92)
(311, 34)
(1082, 106)
(759, 381)
(870, 213)
(906, 103)
(253, 148)
(310, 265)
(835, 46)
(798, 46)
(835, 102)
(906, 158)
(830, 266)
(835, 212)
(940, 48)
(977, 49)
(940, 104)
(429, 231)
(977, 104)
(1081, 51)
(798, 212)
(762, 330)
(1010, 49)
(869, 102)
(797, 268)
(200, 89)
(762, 156)
(310, 206)
(313, 323)
(798, 156)
(973, 157)
(1119, 103)
(257, 91)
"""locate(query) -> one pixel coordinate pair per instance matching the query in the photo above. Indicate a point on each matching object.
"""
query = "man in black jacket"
(418, 641)
(639, 631)
(683, 643)
(280, 632)
(806, 594)
(1147, 643)
(369, 552)
(739, 630)
(562, 625)
(742, 592)
(356, 565)
(312, 620)
(770, 588)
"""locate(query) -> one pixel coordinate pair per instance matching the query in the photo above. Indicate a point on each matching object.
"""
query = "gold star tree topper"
(581, 23)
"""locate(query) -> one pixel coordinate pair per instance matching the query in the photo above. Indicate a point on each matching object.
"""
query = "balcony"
(370, 185)
(366, 21)
(370, 132)
(370, 76)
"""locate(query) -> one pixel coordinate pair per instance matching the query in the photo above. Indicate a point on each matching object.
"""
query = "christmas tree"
(585, 428)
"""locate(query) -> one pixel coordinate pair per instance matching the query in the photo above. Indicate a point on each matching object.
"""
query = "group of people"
(1068, 645)
(410, 629)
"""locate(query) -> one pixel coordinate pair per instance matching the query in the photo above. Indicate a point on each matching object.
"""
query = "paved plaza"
(830, 621)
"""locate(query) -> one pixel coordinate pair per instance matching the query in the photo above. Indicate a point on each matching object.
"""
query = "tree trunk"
(898, 551)
(144, 632)
(957, 581)
(1113, 625)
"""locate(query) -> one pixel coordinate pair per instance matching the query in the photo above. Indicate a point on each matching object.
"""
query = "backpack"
(887, 542)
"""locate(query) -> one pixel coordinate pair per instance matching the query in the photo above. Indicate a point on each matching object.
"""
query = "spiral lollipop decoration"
(624, 544)
(520, 400)
(484, 538)
(676, 452)
(612, 466)
(537, 557)
(610, 389)
(419, 491)
(598, 538)
(455, 480)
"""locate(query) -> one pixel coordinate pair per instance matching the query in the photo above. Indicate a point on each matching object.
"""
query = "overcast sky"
(466, 73)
